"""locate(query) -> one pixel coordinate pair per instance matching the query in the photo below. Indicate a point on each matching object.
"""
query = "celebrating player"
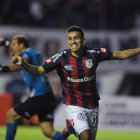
(42, 101)
(76, 67)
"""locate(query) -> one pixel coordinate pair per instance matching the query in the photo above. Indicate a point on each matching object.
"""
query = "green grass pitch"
(34, 133)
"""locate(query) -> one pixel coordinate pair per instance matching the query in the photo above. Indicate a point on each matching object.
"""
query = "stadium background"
(114, 24)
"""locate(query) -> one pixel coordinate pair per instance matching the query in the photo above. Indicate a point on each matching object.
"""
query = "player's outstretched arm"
(121, 55)
(36, 71)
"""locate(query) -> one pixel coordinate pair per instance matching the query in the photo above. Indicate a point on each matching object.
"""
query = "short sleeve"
(104, 54)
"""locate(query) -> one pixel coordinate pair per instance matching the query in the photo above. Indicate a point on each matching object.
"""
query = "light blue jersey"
(38, 84)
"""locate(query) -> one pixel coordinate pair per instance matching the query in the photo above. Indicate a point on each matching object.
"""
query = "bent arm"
(121, 55)
(33, 70)
(14, 67)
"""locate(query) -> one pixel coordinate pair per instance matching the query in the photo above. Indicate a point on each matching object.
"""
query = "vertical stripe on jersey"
(89, 74)
(91, 100)
(83, 88)
(69, 86)
(74, 75)
(65, 83)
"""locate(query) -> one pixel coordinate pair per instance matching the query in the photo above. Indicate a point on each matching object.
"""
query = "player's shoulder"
(33, 51)
(91, 50)
(29, 53)
(26, 54)
(58, 57)
(60, 54)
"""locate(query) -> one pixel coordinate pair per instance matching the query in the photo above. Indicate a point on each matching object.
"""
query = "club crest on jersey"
(68, 67)
(89, 63)
(103, 50)
(49, 60)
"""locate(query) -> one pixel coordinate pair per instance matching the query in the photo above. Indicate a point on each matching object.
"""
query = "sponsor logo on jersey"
(55, 57)
(49, 60)
(85, 79)
(68, 67)
(25, 56)
(103, 50)
(89, 63)
(91, 51)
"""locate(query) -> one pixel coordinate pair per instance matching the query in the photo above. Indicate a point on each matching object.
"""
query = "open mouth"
(74, 46)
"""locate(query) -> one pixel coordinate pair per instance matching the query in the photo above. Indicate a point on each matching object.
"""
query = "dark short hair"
(76, 28)
(22, 40)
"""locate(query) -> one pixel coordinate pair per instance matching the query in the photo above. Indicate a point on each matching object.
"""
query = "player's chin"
(75, 49)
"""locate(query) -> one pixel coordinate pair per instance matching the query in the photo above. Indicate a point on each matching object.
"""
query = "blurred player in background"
(76, 67)
(41, 101)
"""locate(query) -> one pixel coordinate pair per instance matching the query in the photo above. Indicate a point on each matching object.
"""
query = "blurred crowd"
(90, 14)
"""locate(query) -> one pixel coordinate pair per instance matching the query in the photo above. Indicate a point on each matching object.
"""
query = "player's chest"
(81, 64)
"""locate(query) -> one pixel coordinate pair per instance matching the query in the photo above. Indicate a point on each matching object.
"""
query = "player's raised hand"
(17, 59)
(0, 68)
(5, 43)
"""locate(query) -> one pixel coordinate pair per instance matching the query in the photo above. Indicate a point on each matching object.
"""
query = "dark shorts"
(43, 105)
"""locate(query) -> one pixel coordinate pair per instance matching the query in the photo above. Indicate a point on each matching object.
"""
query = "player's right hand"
(18, 60)
(5, 43)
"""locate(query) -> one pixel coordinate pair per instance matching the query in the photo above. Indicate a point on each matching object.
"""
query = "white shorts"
(83, 119)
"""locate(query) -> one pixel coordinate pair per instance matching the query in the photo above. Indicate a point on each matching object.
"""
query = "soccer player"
(41, 101)
(76, 67)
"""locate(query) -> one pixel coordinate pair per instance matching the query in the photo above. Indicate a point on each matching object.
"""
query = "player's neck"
(77, 54)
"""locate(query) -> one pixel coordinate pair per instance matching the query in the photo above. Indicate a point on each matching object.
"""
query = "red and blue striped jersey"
(78, 75)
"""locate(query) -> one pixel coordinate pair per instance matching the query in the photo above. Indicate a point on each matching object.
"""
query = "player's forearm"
(14, 68)
(33, 70)
(121, 55)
